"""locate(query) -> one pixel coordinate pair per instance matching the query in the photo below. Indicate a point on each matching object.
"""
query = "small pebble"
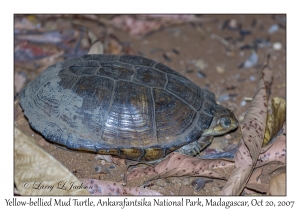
(273, 29)
(167, 56)
(175, 51)
(244, 32)
(112, 167)
(252, 78)
(99, 189)
(253, 24)
(262, 42)
(251, 61)
(248, 98)
(201, 74)
(98, 169)
(243, 103)
(246, 47)
(200, 64)
(39, 25)
(220, 70)
(233, 24)
(233, 87)
(189, 71)
(233, 95)
(277, 46)
(103, 162)
(107, 158)
(227, 136)
(224, 97)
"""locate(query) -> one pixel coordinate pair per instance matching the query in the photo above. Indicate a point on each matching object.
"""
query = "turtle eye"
(225, 122)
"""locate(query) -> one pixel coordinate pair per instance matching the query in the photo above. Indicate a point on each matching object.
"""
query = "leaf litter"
(276, 119)
(36, 169)
(177, 164)
(278, 185)
(253, 127)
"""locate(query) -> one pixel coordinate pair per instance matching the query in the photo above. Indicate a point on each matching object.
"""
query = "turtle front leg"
(194, 148)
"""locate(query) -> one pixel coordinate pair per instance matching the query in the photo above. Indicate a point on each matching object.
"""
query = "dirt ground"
(213, 55)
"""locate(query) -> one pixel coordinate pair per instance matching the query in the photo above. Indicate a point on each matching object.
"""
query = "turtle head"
(223, 122)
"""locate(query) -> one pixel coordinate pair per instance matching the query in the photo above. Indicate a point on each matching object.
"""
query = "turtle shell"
(128, 106)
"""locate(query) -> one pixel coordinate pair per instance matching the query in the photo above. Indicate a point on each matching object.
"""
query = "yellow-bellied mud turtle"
(128, 106)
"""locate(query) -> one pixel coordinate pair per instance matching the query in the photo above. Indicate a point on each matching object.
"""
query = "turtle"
(123, 105)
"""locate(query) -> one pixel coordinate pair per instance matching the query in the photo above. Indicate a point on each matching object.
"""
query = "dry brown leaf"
(247, 191)
(98, 187)
(177, 164)
(19, 81)
(253, 127)
(263, 188)
(18, 113)
(97, 46)
(254, 182)
(273, 152)
(38, 173)
(255, 176)
(278, 185)
(280, 169)
(276, 119)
